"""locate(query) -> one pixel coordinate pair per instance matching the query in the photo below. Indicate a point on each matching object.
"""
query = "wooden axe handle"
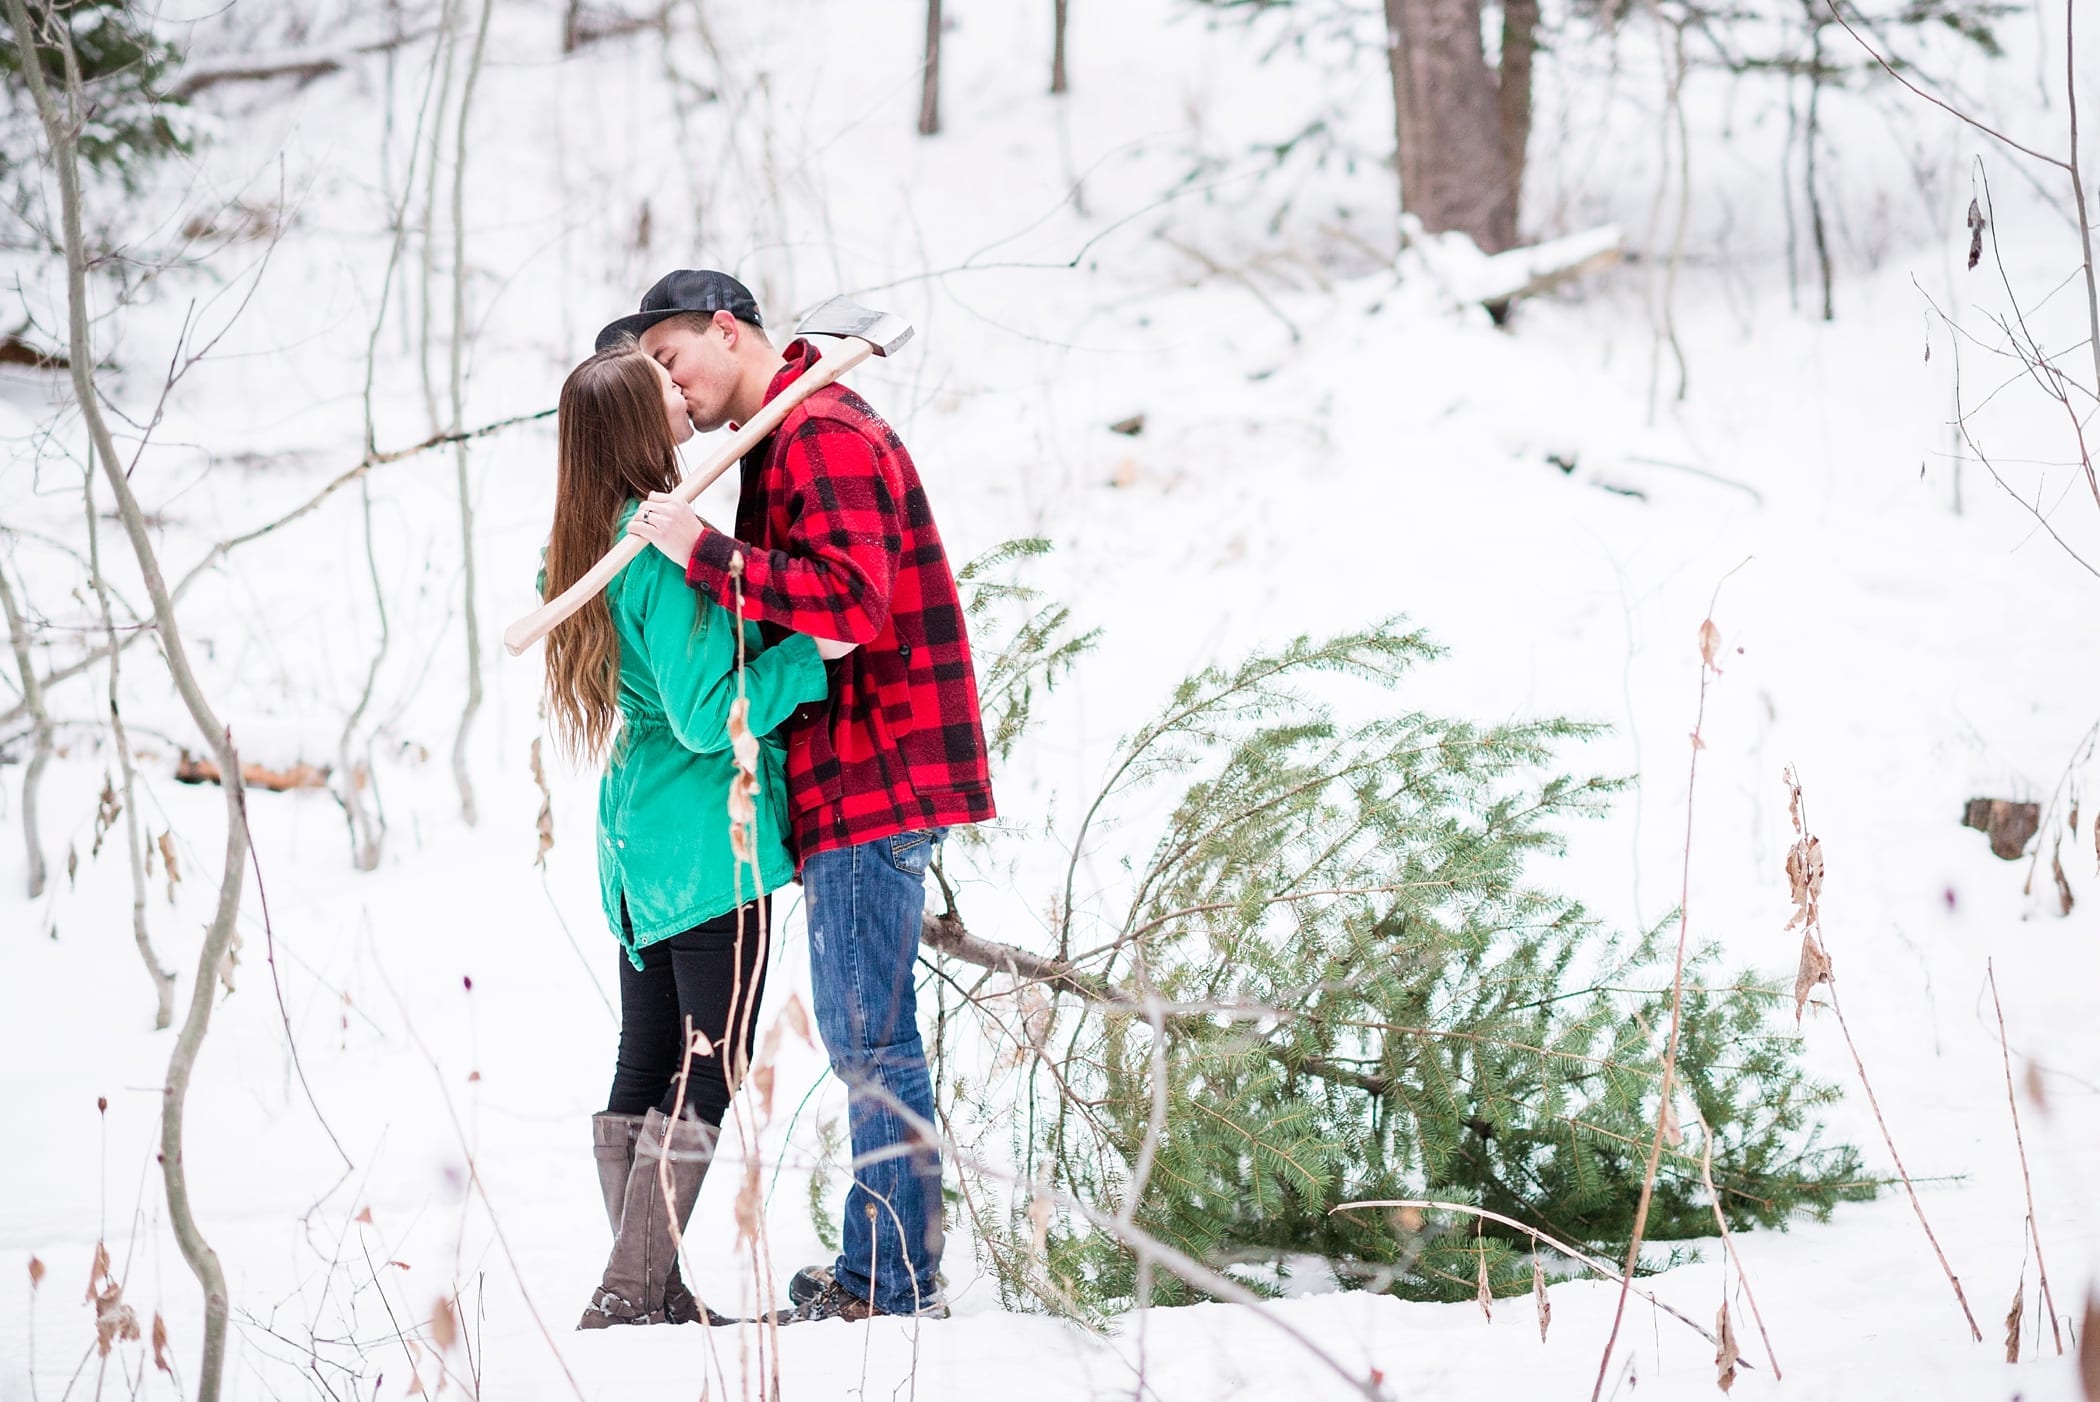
(542, 620)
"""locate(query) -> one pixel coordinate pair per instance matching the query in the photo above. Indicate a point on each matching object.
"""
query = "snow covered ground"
(1325, 444)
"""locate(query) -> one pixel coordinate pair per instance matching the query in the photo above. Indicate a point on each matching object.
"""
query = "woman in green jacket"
(644, 678)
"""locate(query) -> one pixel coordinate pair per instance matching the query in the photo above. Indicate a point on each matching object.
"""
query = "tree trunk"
(1057, 51)
(1453, 123)
(930, 84)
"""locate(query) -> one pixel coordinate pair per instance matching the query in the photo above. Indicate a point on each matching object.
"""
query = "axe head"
(842, 316)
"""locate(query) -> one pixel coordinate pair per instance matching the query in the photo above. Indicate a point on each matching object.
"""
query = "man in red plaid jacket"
(837, 541)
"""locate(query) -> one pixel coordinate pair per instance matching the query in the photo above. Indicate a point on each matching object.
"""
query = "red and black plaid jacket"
(838, 541)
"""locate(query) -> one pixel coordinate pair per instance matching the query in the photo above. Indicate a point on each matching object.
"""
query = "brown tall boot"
(644, 1259)
(614, 1137)
(612, 1140)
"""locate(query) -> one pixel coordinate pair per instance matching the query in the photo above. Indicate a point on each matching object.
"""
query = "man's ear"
(726, 324)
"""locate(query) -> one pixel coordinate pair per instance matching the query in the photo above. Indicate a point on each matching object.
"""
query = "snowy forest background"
(1467, 501)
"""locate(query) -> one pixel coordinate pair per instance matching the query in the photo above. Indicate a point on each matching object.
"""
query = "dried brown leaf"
(762, 1088)
(2064, 898)
(749, 1204)
(1673, 1133)
(2013, 1317)
(743, 816)
(167, 860)
(72, 864)
(364, 1215)
(97, 1272)
(1725, 1354)
(36, 1272)
(1709, 643)
(232, 960)
(1482, 1294)
(160, 1345)
(1538, 1293)
(796, 1017)
(742, 743)
(1815, 969)
(1410, 1219)
(444, 1325)
(2037, 1090)
(107, 810)
(115, 1321)
(1804, 879)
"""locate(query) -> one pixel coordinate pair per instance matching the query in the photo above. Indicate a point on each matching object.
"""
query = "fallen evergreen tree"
(1332, 981)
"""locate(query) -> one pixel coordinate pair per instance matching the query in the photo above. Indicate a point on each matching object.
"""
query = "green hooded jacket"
(663, 805)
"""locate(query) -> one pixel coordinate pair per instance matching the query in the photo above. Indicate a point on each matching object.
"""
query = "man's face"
(701, 362)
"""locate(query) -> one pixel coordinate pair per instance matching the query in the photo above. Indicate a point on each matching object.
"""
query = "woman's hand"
(831, 651)
(668, 524)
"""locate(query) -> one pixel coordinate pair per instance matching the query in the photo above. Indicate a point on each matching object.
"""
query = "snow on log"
(1494, 280)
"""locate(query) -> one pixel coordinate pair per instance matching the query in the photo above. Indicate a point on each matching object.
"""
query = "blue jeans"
(865, 905)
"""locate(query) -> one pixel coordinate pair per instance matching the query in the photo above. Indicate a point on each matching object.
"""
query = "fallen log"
(191, 769)
(303, 64)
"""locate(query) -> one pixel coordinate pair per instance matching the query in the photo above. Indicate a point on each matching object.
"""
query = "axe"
(871, 333)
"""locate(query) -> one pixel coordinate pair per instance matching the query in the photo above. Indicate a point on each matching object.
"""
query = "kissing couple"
(856, 671)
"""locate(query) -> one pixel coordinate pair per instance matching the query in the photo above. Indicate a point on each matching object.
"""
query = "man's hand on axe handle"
(674, 527)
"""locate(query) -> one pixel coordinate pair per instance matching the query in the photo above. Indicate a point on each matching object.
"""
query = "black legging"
(694, 975)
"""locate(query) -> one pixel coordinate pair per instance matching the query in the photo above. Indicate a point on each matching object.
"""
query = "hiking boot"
(808, 1283)
(823, 1297)
(613, 1139)
(634, 1289)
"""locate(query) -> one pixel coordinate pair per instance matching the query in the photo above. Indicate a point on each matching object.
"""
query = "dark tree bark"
(1459, 126)
(930, 85)
(1520, 23)
(1057, 51)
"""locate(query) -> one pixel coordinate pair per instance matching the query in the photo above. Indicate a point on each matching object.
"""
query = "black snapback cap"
(688, 290)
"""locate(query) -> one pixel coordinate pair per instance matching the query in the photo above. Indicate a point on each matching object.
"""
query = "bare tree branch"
(458, 383)
(33, 706)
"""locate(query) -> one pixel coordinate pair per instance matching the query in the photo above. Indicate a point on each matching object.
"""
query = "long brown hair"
(613, 443)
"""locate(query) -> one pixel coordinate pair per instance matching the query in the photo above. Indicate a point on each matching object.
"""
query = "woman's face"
(674, 405)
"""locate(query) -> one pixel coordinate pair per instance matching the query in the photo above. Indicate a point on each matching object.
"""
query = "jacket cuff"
(708, 570)
(807, 677)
